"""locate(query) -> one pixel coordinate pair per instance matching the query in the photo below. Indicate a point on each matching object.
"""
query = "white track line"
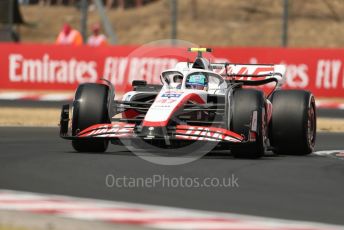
(159, 217)
(327, 152)
(336, 154)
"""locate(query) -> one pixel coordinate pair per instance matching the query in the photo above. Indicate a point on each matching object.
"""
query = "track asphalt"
(307, 188)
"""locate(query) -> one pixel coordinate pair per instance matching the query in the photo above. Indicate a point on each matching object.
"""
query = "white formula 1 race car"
(198, 101)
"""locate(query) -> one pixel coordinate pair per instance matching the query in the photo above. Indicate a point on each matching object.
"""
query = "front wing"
(119, 130)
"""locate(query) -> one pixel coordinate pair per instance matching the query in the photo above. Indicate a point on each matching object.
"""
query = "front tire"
(293, 125)
(90, 107)
(244, 103)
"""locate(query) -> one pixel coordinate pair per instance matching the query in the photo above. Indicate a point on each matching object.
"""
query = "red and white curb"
(36, 97)
(329, 105)
(158, 217)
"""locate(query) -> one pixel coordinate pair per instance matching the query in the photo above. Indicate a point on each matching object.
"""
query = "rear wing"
(246, 74)
(251, 74)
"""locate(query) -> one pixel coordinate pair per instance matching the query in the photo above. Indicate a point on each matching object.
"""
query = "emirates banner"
(52, 67)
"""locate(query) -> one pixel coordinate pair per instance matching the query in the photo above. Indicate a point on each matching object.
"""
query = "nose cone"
(167, 103)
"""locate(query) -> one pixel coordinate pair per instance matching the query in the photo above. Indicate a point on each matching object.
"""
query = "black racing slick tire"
(293, 125)
(90, 107)
(244, 103)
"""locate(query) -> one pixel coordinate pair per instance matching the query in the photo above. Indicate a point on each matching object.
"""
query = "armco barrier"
(51, 67)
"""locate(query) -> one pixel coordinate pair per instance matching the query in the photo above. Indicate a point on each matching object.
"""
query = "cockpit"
(194, 79)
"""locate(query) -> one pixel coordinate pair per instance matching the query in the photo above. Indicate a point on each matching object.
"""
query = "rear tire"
(244, 102)
(293, 125)
(90, 107)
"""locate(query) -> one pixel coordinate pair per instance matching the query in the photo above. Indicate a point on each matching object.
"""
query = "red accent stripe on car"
(211, 129)
(105, 127)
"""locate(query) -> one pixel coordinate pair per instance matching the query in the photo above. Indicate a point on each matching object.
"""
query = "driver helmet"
(197, 81)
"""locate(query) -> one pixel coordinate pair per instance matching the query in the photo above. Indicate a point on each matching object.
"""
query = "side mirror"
(162, 79)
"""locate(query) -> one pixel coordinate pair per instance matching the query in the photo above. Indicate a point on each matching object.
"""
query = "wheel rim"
(311, 126)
